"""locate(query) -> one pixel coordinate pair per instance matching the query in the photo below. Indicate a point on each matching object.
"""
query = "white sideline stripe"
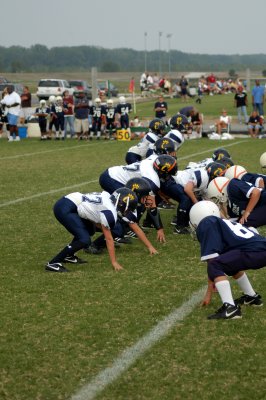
(50, 151)
(206, 151)
(8, 203)
(34, 196)
(132, 353)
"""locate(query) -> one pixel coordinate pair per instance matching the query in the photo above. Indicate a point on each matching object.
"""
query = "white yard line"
(128, 357)
(34, 196)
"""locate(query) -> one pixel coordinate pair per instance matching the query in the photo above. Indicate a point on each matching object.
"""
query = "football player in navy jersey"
(123, 109)
(81, 214)
(110, 123)
(98, 113)
(58, 115)
(229, 249)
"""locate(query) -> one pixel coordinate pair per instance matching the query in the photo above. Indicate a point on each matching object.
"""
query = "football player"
(98, 113)
(110, 127)
(42, 112)
(123, 109)
(58, 116)
(139, 152)
(81, 214)
(229, 249)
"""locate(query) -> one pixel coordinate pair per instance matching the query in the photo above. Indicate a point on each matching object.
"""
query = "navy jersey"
(97, 112)
(254, 178)
(238, 195)
(110, 114)
(218, 236)
(43, 113)
(58, 110)
(123, 109)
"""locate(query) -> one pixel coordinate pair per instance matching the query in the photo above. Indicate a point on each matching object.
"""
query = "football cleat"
(131, 234)
(92, 249)
(183, 230)
(249, 300)
(174, 221)
(55, 267)
(123, 240)
(74, 260)
(227, 311)
(147, 225)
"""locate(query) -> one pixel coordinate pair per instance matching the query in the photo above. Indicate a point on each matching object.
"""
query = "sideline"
(34, 196)
(128, 357)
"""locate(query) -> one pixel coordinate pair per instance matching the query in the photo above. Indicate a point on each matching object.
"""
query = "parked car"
(3, 79)
(107, 89)
(52, 87)
(81, 86)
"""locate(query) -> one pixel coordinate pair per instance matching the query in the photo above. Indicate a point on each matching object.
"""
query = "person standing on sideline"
(241, 102)
(68, 104)
(12, 102)
(25, 111)
(160, 108)
(183, 83)
(258, 97)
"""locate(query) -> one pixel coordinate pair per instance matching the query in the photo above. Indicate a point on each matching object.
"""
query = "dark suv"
(81, 86)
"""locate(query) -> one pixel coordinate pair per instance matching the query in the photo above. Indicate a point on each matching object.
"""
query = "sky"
(192, 26)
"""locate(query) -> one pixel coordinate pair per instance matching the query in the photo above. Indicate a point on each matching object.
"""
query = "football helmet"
(165, 166)
(236, 171)
(157, 126)
(97, 100)
(179, 122)
(139, 186)
(122, 99)
(42, 103)
(201, 210)
(51, 99)
(220, 153)
(164, 146)
(228, 162)
(217, 189)
(215, 169)
(110, 102)
(58, 98)
(124, 200)
(263, 161)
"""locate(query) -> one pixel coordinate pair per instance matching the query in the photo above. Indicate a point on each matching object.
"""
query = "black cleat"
(131, 234)
(227, 311)
(183, 230)
(123, 240)
(147, 225)
(55, 267)
(74, 260)
(92, 249)
(174, 221)
(247, 300)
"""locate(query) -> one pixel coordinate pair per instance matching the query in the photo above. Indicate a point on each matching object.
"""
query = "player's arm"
(254, 198)
(141, 235)
(189, 190)
(111, 248)
(208, 295)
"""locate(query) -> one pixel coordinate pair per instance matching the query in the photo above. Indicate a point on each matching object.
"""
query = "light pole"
(169, 35)
(145, 52)
(160, 56)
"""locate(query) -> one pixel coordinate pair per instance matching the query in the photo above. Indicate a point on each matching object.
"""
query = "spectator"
(68, 104)
(81, 111)
(183, 83)
(42, 112)
(241, 102)
(156, 81)
(160, 108)
(254, 124)
(143, 82)
(12, 102)
(258, 97)
(167, 86)
(223, 122)
(25, 111)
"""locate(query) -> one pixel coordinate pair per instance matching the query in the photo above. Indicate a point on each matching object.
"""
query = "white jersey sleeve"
(142, 147)
(177, 138)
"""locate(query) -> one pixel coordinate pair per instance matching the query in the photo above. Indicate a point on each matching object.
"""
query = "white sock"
(245, 285)
(224, 291)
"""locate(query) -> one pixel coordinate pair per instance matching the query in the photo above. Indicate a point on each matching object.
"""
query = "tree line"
(39, 58)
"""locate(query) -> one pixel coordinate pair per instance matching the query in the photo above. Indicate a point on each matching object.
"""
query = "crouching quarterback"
(229, 249)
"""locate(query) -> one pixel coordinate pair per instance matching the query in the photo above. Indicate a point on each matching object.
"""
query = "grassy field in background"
(58, 331)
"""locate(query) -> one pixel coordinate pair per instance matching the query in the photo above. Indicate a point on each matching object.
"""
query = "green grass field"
(59, 331)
